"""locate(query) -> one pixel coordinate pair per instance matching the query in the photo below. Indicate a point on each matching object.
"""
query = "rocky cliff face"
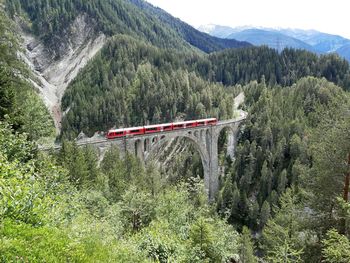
(55, 67)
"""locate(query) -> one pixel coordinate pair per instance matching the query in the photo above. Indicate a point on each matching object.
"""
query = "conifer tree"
(246, 248)
(280, 238)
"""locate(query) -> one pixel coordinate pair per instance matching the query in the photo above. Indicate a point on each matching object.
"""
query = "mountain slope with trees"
(285, 195)
(289, 176)
(135, 18)
(285, 68)
(134, 83)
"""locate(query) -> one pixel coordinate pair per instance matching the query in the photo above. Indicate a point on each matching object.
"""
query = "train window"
(166, 127)
(201, 123)
(134, 131)
(119, 133)
(152, 129)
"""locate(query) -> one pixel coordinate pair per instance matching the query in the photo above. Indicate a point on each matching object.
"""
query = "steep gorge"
(53, 70)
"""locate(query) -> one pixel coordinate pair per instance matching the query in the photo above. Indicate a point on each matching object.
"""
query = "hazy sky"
(329, 16)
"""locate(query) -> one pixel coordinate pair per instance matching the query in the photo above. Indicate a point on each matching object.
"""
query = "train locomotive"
(134, 131)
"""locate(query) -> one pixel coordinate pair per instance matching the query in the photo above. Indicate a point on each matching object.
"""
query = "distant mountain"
(300, 34)
(203, 41)
(322, 42)
(311, 40)
(344, 51)
(218, 31)
(272, 39)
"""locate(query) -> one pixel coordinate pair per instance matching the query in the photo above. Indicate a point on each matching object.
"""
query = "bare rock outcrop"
(55, 67)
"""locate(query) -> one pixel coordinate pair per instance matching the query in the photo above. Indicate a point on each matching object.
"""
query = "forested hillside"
(289, 176)
(285, 68)
(134, 83)
(134, 18)
(283, 196)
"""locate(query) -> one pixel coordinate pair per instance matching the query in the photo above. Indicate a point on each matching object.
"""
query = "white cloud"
(323, 15)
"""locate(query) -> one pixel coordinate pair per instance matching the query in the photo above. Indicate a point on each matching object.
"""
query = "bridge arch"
(196, 142)
(200, 147)
(231, 131)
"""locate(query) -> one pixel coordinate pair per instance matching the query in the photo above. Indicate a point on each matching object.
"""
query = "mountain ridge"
(312, 40)
(272, 39)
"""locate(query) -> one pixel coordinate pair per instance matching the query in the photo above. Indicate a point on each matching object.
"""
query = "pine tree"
(201, 236)
(265, 213)
(282, 182)
(280, 238)
(246, 247)
(336, 247)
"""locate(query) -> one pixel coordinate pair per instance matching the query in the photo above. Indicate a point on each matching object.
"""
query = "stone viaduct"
(204, 138)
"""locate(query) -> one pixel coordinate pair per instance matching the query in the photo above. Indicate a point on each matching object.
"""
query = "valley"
(268, 180)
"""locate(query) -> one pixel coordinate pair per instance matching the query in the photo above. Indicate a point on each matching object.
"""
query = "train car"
(158, 128)
(190, 124)
(117, 133)
(212, 121)
(200, 123)
(134, 131)
(206, 122)
(112, 134)
(179, 125)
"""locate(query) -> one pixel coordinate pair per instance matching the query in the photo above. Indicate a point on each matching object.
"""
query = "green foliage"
(15, 146)
(35, 118)
(22, 242)
(246, 247)
(274, 150)
(134, 83)
(160, 243)
(137, 208)
(336, 247)
(201, 237)
(281, 236)
(81, 164)
(330, 148)
(173, 207)
(234, 66)
(9, 62)
(44, 217)
(147, 213)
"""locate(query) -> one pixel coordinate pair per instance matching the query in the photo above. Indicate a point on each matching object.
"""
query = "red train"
(117, 133)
